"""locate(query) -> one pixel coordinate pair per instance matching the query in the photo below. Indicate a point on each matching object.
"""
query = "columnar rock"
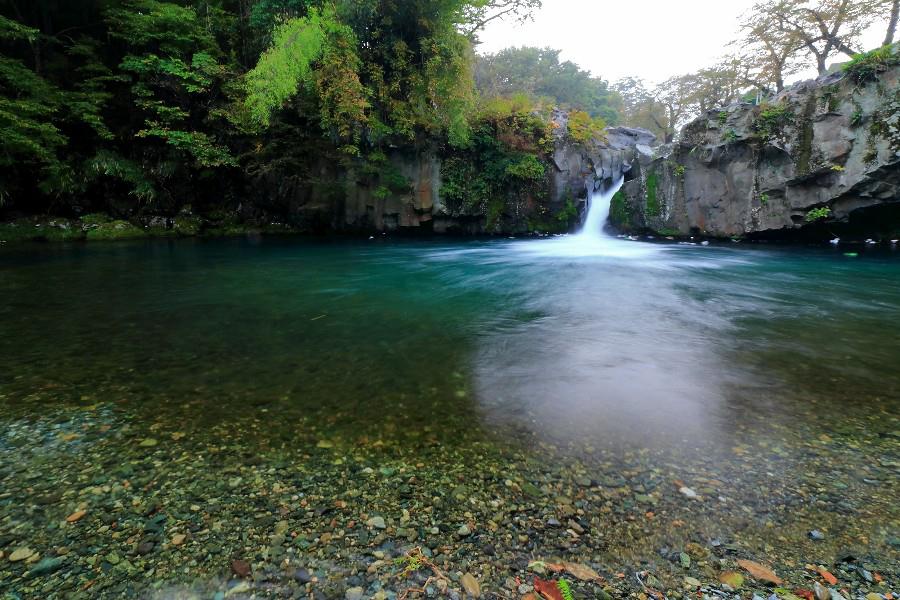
(816, 156)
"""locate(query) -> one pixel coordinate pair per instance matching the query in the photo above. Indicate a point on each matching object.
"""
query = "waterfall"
(598, 211)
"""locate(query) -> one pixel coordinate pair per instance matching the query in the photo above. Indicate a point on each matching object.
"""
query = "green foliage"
(764, 199)
(730, 136)
(287, 64)
(856, 118)
(772, 119)
(504, 161)
(584, 128)
(526, 167)
(565, 589)
(652, 200)
(539, 73)
(818, 214)
(868, 65)
(723, 118)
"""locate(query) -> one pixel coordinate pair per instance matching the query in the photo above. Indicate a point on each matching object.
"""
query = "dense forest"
(132, 107)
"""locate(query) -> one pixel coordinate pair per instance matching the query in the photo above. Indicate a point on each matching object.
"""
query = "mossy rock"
(115, 230)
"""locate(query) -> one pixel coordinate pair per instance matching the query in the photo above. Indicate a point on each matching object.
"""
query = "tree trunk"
(892, 23)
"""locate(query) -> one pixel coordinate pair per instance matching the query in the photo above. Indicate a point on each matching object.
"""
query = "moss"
(115, 230)
(50, 230)
(805, 149)
(187, 225)
(771, 120)
(868, 65)
(668, 232)
(620, 210)
(652, 200)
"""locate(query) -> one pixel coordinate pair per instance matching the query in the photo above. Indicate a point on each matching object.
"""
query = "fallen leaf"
(806, 594)
(759, 571)
(581, 572)
(547, 589)
(76, 516)
(831, 579)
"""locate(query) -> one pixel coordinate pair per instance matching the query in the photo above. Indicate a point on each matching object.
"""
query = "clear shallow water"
(545, 379)
(616, 339)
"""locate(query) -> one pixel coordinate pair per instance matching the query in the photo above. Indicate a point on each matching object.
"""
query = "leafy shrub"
(584, 128)
(867, 66)
(818, 214)
(772, 118)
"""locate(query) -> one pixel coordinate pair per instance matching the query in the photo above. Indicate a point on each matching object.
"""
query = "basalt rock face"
(336, 199)
(819, 157)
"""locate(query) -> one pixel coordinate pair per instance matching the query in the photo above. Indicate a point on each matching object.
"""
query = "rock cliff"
(822, 157)
(337, 199)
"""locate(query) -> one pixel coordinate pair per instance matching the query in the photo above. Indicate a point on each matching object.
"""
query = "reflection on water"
(383, 377)
(604, 338)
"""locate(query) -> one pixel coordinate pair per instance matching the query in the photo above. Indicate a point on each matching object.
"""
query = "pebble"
(178, 539)
(148, 443)
(377, 523)
(76, 516)
(688, 492)
(821, 592)
(471, 585)
(464, 531)
(241, 568)
(354, 593)
(21, 554)
(46, 566)
(817, 535)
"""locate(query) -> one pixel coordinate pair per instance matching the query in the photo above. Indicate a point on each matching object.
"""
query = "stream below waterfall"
(306, 409)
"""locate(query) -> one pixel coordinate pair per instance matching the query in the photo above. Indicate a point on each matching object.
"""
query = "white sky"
(650, 39)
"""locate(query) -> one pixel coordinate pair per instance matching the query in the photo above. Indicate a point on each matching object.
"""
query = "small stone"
(692, 582)
(324, 444)
(302, 575)
(470, 585)
(145, 548)
(821, 591)
(817, 535)
(684, 559)
(377, 523)
(354, 593)
(46, 566)
(21, 554)
(688, 492)
(874, 596)
(178, 539)
(551, 522)
(464, 531)
(76, 516)
(148, 443)
(113, 558)
(241, 568)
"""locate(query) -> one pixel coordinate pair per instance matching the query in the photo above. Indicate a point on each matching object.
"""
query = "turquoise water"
(764, 378)
(412, 334)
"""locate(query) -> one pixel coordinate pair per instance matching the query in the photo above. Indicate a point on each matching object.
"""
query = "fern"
(565, 589)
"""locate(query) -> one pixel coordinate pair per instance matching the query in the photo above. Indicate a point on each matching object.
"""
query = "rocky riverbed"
(97, 501)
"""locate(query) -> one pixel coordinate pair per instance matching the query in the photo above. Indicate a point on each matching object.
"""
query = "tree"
(540, 73)
(821, 27)
(767, 53)
(478, 13)
(892, 8)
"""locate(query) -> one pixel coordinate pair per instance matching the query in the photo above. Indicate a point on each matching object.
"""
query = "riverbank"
(99, 502)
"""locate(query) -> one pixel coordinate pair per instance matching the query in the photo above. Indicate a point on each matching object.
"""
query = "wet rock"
(821, 592)
(241, 568)
(21, 554)
(464, 531)
(46, 567)
(816, 535)
(377, 523)
(354, 593)
(471, 585)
